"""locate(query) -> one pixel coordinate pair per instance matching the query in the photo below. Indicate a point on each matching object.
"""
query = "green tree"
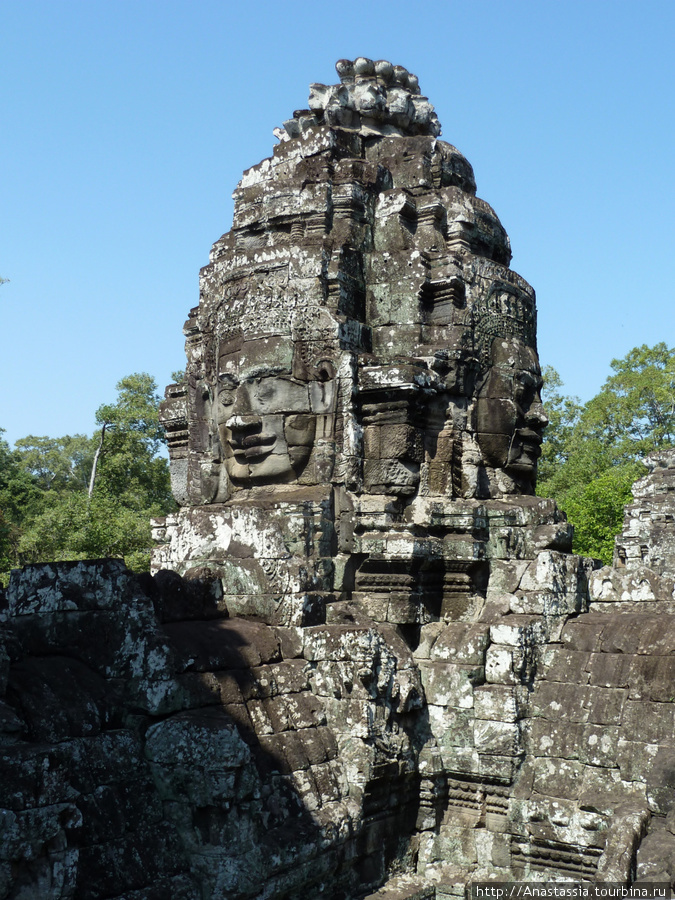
(20, 495)
(57, 464)
(93, 497)
(563, 414)
(20, 498)
(129, 464)
(74, 527)
(592, 454)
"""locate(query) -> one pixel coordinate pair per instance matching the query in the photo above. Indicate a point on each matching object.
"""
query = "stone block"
(260, 719)
(402, 609)
(349, 717)
(497, 738)
(428, 635)
(610, 670)
(657, 635)
(402, 442)
(288, 677)
(290, 641)
(337, 679)
(222, 644)
(602, 790)
(661, 781)
(584, 634)
(340, 643)
(457, 844)
(555, 738)
(460, 642)
(303, 710)
(81, 585)
(327, 783)
(547, 603)
(505, 576)
(605, 705)
(284, 752)
(598, 746)
(499, 769)
(461, 762)
(450, 684)
(557, 777)
(624, 836)
(503, 665)
(643, 721)
(518, 631)
(635, 758)
(655, 859)
(652, 678)
(240, 716)
(59, 698)
(451, 727)
(496, 702)
(559, 702)
(564, 665)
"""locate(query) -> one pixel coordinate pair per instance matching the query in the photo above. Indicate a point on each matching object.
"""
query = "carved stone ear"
(322, 396)
(323, 370)
(210, 481)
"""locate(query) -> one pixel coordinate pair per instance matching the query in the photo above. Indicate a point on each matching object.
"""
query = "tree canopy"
(592, 452)
(78, 497)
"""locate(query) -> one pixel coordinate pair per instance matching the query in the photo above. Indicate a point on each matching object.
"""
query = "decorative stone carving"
(367, 655)
(359, 326)
(360, 348)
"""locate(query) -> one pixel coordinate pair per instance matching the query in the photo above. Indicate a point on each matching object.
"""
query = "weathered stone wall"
(154, 746)
(82, 667)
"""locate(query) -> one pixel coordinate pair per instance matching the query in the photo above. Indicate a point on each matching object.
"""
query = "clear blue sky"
(126, 124)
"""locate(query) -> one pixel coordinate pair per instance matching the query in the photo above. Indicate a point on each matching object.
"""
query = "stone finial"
(375, 98)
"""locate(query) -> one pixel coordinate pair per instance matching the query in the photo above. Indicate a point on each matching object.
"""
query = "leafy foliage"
(592, 453)
(58, 464)
(563, 414)
(46, 509)
(131, 468)
(20, 498)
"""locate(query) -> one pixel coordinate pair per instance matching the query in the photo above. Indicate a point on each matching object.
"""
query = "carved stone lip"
(527, 445)
(528, 436)
(253, 446)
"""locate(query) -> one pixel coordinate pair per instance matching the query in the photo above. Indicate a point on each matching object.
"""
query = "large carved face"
(265, 415)
(509, 416)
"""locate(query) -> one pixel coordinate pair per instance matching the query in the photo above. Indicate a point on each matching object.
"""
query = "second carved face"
(509, 416)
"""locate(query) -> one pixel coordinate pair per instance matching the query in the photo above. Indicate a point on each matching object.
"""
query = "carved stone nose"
(537, 413)
(242, 422)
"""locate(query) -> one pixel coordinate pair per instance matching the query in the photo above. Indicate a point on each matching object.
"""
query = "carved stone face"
(509, 417)
(266, 417)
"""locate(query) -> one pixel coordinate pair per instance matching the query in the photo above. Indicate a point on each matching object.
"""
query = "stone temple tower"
(361, 364)
(367, 665)
(354, 452)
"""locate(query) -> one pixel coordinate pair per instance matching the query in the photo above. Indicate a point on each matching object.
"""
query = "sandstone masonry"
(367, 663)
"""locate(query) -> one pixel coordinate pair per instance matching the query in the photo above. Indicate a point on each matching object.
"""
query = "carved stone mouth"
(526, 449)
(528, 436)
(255, 440)
(253, 446)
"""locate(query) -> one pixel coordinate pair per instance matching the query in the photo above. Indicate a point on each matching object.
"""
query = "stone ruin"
(367, 664)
